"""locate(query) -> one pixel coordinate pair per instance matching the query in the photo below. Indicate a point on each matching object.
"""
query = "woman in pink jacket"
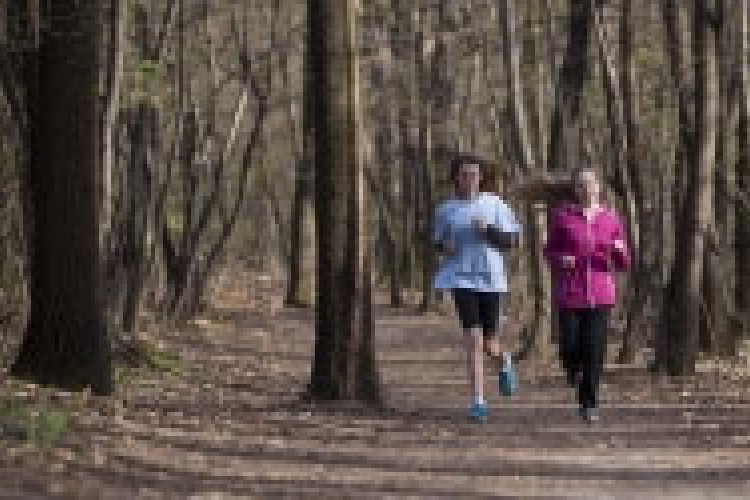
(586, 246)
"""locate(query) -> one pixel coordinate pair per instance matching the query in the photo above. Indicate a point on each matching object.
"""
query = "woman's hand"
(449, 247)
(568, 261)
(479, 224)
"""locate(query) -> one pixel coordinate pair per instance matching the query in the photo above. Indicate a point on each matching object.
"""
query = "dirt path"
(230, 426)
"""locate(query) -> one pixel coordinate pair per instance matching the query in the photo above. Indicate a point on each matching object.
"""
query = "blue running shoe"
(478, 412)
(507, 378)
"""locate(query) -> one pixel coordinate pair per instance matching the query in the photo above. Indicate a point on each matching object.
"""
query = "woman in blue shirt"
(473, 229)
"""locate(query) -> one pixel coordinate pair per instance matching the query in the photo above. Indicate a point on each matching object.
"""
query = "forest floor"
(223, 421)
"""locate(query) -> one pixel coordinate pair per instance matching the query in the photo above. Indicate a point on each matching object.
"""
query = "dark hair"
(485, 168)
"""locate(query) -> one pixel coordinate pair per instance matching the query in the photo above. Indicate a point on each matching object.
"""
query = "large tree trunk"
(523, 152)
(678, 348)
(718, 331)
(565, 126)
(619, 84)
(65, 343)
(743, 175)
(344, 361)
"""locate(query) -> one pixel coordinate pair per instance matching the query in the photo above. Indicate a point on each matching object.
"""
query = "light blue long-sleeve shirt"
(476, 264)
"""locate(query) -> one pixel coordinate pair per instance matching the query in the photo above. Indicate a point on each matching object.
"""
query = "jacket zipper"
(588, 260)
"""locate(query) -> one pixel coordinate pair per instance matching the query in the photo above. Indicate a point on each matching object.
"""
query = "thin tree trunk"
(297, 294)
(118, 24)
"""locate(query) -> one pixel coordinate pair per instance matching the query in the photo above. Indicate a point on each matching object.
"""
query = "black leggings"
(583, 344)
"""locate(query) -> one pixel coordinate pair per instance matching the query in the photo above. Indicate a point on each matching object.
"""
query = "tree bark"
(65, 343)
(565, 127)
(344, 362)
(742, 254)
(678, 348)
(297, 294)
(118, 24)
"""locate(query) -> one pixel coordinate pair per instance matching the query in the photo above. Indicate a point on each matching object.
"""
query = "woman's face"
(587, 185)
(469, 178)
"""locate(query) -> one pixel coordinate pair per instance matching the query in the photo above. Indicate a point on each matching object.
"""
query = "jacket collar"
(577, 209)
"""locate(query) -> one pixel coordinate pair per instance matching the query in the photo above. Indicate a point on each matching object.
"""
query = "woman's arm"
(621, 257)
(441, 232)
(612, 256)
(499, 239)
(553, 248)
(502, 232)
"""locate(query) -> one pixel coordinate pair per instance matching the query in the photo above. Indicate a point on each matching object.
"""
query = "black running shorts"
(477, 308)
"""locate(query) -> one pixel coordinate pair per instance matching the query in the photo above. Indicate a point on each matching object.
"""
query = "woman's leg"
(467, 307)
(491, 304)
(570, 323)
(592, 347)
(475, 352)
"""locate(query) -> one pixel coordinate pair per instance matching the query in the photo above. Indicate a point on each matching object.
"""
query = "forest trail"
(229, 425)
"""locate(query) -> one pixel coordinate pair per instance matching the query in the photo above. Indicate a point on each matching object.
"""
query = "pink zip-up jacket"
(590, 282)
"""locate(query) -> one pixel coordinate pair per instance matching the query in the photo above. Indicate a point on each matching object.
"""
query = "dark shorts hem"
(477, 308)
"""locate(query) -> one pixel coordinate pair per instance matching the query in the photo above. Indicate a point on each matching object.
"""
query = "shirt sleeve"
(439, 225)
(608, 258)
(621, 259)
(505, 219)
(553, 246)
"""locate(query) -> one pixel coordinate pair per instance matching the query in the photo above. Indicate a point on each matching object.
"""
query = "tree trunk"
(678, 348)
(344, 362)
(429, 62)
(118, 24)
(718, 334)
(742, 255)
(523, 149)
(620, 105)
(297, 295)
(299, 292)
(66, 342)
(143, 121)
(574, 72)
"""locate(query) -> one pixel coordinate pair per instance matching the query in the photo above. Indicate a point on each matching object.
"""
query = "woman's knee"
(491, 344)
(474, 338)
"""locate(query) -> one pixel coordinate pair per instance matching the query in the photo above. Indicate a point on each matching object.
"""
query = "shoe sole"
(590, 418)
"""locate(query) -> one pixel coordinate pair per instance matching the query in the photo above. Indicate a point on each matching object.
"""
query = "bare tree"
(681, 315)
(344, 362)
(66, 341)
